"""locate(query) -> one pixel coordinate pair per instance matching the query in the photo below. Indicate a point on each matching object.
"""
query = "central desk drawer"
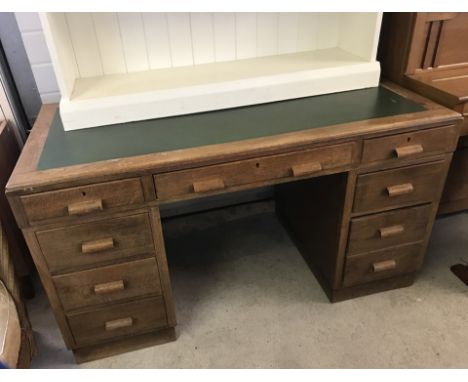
(225, 176)
(382, 264)
(118, 320)
(108, 284)
(399, 187)
(370, 233)
(83, 200)
(411, 145)
(96, 242)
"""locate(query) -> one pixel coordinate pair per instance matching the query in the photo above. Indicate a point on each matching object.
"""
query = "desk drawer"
(118, 320)
(370, 233)
(108, 284)
(383, 264)
(215, 178)
(90, 244)
(84, 200)
(403, 186)
(411, 145)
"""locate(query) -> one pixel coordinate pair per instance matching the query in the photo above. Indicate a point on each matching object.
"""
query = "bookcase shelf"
(116, 67)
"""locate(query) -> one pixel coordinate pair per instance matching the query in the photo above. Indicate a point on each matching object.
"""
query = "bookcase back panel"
(113, 43)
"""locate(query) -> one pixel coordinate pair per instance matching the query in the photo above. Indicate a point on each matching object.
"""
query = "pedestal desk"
(357, 176)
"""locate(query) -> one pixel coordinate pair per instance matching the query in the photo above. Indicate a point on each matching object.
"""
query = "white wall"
(38, 55)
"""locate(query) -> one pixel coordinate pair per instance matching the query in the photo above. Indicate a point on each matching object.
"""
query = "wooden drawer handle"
(386, 265)
(97, 245)
(409, 150)
(306, 168)
(120, 323)
(400, 189)
(110, 287)
(391, 231)
(208, 185)
(81, 208)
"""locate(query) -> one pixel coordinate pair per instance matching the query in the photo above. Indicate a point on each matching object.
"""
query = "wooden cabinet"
(455, 193)
(17, 345)
(359, 197)
(427, 53)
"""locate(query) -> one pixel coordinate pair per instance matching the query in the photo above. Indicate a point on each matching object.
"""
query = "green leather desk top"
(166, 134)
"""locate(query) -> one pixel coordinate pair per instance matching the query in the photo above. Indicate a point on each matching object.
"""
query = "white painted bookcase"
(121, 67)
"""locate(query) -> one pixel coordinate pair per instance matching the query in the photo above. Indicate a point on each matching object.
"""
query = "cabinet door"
(438, 41)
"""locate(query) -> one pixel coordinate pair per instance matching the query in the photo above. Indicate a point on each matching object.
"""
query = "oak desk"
(357, 175)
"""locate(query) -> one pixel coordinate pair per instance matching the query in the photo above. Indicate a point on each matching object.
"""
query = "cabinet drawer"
(394, 188)
(383, 264)
(215, 178)
(108, 284)
(82, 200)
(96, 242)
(411, 145)
(119, 320)
(370, 233)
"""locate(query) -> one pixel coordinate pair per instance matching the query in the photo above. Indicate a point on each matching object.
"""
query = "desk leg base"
(371, 288)
(108, 349)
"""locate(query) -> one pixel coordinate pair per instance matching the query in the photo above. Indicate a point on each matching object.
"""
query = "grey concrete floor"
(246, 299)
